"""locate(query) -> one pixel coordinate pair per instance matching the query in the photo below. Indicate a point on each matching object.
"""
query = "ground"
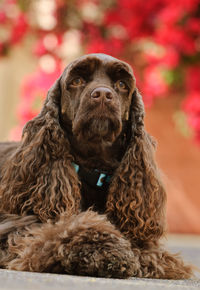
(188, 246)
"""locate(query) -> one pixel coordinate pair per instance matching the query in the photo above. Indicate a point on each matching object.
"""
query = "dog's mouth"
(98, 125)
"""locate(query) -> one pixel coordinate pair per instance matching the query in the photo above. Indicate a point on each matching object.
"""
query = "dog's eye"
(77, 82)
(121, 85)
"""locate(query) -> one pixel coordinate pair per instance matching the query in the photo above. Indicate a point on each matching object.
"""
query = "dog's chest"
(93, 197)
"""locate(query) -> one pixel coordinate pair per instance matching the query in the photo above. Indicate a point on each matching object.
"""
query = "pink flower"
(48, 43)
(25, 114)
(96, 46)
(171, 14)
(177, 38)
(170, 58)
(19, 29)
(192, 104)
(188, 5)
(3, 17)
(39, 48)
(33, 91)
(154, 84)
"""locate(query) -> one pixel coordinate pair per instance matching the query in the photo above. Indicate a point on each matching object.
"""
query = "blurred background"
(159, 38)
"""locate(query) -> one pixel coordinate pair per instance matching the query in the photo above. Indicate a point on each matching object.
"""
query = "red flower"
(192, 104)
(19, 29)
(154, 84)
(39, 48)
(33, 87)
(3, 17)
(169, 58)
(193, 79)
(47, 44)
(137, 18)
(171, 14)
(188, 5)
(177, 38)
(96, 46)
(193, 25)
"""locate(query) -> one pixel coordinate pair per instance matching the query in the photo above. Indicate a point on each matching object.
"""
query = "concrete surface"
(189, 246)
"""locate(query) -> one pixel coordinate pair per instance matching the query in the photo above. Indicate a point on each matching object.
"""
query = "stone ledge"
(13, 280)
(188, 246)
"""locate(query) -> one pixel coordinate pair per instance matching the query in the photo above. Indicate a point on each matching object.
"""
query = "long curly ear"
(39, 177)
(136, 196)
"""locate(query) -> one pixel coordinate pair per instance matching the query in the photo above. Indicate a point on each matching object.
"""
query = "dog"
(81, 192)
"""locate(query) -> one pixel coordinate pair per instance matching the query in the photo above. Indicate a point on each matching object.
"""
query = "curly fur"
(44, 226)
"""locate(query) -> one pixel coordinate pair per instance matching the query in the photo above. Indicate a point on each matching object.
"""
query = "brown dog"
(81, 192)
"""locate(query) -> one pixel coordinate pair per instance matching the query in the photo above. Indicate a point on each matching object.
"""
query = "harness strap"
(93, 178)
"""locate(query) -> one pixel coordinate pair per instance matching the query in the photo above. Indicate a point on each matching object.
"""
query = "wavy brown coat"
(40, 203)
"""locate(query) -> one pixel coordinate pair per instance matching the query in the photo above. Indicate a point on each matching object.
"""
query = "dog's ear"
(136, 195)
(45, 127)
(39, 177)
(136, 115)
(53, 96)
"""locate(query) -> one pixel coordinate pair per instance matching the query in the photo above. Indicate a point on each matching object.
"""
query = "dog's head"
(96, 94)
(95, 99)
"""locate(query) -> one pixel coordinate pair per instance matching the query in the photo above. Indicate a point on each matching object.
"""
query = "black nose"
(102, 93)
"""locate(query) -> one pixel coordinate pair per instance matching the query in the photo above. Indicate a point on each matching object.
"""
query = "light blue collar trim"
(95, 178)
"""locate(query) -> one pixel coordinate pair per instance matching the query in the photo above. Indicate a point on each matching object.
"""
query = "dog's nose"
(102, 93)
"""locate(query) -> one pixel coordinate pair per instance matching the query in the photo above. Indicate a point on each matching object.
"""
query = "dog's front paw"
(100, 254)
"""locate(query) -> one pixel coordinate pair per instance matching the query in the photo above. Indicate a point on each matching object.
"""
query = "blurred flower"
(171, 59)
(3, 17)
(192, 107)
(154, 84)
(48, 43)
(19, 29)
(97, 46)
(171, 14)
(33, 92)
(193, 79)
(91, 12)
(44, 14)
(71, 45)
(176, 37)
(168, 57)
(193, 25)
(113, 46)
